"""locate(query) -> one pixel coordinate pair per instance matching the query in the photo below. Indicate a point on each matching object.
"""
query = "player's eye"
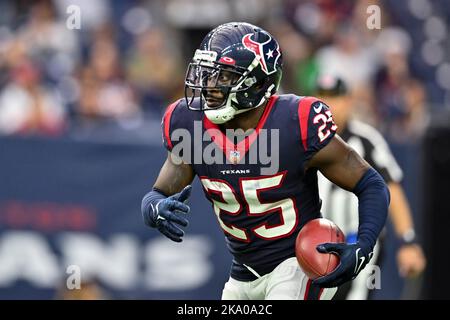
(226, 78)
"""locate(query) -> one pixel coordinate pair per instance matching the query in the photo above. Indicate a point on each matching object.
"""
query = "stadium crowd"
(126, 61)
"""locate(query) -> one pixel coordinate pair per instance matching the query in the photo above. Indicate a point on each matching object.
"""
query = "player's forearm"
(400, 212)
(373, 196)
(173, 177)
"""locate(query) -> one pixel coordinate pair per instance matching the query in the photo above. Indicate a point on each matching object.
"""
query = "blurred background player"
(342, 207)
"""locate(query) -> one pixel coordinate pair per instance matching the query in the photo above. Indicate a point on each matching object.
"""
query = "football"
(313, 233)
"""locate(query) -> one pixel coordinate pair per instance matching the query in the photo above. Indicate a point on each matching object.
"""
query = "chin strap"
(228, 111)
(224, 114)
(220, 115)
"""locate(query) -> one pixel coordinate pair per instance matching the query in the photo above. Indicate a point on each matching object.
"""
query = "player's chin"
(214, 103)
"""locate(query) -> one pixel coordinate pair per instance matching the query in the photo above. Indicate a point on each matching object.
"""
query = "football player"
(231, 84)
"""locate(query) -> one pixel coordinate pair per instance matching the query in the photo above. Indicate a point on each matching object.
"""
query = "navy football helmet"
(237, 68)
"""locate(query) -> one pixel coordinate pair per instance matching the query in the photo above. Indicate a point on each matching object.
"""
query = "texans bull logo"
(268, 52)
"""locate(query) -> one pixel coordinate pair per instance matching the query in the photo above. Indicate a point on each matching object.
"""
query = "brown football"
(313, 233)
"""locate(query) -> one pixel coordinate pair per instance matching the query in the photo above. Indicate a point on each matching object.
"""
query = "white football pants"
(286, 282)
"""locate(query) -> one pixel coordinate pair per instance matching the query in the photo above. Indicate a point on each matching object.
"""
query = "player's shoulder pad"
(177, 116)
(316, 123)
(288, 102)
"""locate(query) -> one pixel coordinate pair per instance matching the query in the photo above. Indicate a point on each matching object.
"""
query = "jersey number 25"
(250, 190)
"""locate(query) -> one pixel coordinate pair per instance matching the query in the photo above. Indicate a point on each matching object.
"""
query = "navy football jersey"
(258, 186)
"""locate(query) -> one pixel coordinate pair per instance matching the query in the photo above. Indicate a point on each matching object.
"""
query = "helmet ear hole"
(260, 84)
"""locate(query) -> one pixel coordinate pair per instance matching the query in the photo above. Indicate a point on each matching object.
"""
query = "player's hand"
(353, 258)
(411, 260)
(168, 213)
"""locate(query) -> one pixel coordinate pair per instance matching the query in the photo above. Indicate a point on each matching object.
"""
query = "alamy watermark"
(73, 280)
(213, 147)
(373, 274)
(73, 21)
(374, 19)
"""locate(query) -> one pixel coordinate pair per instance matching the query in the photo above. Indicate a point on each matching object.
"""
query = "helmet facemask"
(208, 79)
(237, 87)
(211, 83)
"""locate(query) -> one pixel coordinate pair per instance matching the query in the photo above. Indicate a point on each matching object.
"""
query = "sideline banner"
(68, 204)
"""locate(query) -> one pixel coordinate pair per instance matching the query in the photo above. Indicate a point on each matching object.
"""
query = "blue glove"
(353, 258)
(166, 213)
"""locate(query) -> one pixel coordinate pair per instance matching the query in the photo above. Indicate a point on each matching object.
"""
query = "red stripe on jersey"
(222, 141)
(167, 117)
(304, 107)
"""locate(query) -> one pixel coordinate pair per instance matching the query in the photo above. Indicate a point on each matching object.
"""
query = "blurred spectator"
(318, 19)
(153, 68)
(348, 58)
(27, 106)
(355, 63)
(94, 13)
(360, 20)
(401, 106)
(49, 42)
(103, 91)
(300, 66)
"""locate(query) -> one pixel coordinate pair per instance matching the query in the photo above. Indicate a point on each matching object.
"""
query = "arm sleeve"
(373, 197)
